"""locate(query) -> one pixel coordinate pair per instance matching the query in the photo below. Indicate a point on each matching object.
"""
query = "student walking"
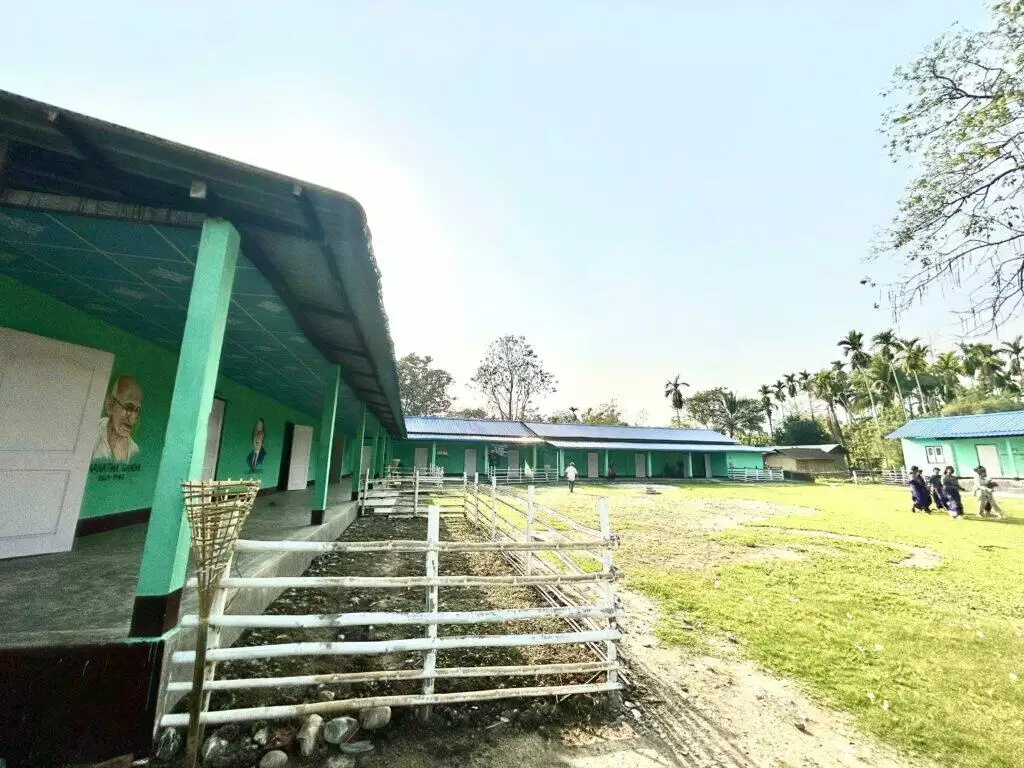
(920, 498)
(987, 506)
(935, 482)
(570, 475)
(951, 491)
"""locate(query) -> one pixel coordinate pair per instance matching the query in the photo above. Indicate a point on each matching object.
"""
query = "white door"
(988, 457)
(592, 470)
(707, 466)
(298, 466)
(213, 429)
(422, 461)
(366, 460)
(640, 461)
(470, 465)
(51, 399)
(513, 463)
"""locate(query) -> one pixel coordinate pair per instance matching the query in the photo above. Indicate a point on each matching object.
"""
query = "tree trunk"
(920, 392)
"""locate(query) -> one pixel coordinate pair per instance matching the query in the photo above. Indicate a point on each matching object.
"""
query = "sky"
(641, 189)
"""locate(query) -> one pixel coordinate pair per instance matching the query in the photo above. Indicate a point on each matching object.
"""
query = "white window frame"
(935, 455)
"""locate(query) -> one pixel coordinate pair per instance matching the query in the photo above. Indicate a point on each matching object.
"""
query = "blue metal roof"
(628, 434)
(436, 426)
(1002, 424)
(606, 445)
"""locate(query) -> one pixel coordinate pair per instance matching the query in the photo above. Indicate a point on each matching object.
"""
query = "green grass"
(930, 660)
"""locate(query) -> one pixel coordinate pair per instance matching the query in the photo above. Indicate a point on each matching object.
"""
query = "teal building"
(992, 440)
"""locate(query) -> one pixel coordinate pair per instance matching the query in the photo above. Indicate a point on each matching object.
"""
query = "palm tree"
(947, 368)
(737, 415)
(827, 386)
(852, 345)
(807, 385)
(573, 410)
(674, 390)
(983, 363)
(1014, 350)
(885, 342)
(913, 358)
(791, 385)
(779, 390)
(766, 406)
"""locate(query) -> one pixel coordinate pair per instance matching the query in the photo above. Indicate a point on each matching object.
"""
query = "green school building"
(482, 446)
(992, 440)
(165, 315)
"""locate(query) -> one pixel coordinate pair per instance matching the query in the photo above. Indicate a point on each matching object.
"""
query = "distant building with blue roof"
(482, 445)
(992, 440)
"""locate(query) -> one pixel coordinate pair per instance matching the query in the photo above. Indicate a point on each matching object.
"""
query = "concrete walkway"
(86, 595)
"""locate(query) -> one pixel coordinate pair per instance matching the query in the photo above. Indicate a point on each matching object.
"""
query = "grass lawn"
(928, 659)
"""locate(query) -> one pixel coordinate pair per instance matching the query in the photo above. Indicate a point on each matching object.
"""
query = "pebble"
(339, 761)
(356, 747)
(215, 749)
(801, 726)
(324, 695)
(340, 729)
(169, 744)
(636, 713)
(309, 734)
(374, 717)
(262, 736)
(274, 759)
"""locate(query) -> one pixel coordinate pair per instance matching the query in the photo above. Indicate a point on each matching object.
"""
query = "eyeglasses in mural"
(121, 409)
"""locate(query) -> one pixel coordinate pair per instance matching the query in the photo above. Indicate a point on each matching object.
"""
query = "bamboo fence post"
(416, 492)
(476, 495)
(430, 657)
(215, 511)
(529, 528)
(494, 506)
(220, 600)
(611, 650)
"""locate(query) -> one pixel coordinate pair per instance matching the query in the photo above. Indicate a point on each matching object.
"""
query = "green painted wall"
(963, 454)
(746, 460)
(113, 488)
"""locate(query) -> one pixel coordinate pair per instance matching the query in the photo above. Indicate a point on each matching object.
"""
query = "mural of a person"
(122, 407)
(255, 460)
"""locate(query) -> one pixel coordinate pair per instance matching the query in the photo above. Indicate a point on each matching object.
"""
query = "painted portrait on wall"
(255, 459)
(121, 410)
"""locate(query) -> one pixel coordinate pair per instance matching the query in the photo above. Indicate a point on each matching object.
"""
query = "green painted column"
(357, 455)
(561, 462)
(606, 463)
(689, 465)
(648, 463)
(433, 455)
(329, 413)
(534, 464)
(165, 553)
(384, 442)
(487, 458)
(375, 461)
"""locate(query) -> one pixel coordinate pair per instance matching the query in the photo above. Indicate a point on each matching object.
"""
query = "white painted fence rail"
(545, 550)
(767, 475)
(523, 476)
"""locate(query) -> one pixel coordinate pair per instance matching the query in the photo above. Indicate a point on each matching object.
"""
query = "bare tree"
(959, 119)
(511, 376)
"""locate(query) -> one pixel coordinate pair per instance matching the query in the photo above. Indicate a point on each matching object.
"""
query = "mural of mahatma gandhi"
(122, 407)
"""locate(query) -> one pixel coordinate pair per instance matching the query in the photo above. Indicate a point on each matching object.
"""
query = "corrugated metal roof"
(442, 427)
(1002, 424)
(826, 447)
(810, 453)
(633, 434)
(608, 445)
(310, 243)
(438, 437)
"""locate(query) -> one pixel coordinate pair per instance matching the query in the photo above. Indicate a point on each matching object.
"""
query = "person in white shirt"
(570, 475)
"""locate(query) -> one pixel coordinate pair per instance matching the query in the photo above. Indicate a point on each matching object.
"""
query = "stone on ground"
(215, 750)
(309, 734)
(339, 761)
(340, 729)
(374, 717)
(169, 744)
(356, 747)
(274, 759)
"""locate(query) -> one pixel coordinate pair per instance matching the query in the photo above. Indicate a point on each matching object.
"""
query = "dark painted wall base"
(316, 517)
(77, 704)
(154, 615)
(92, 525)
